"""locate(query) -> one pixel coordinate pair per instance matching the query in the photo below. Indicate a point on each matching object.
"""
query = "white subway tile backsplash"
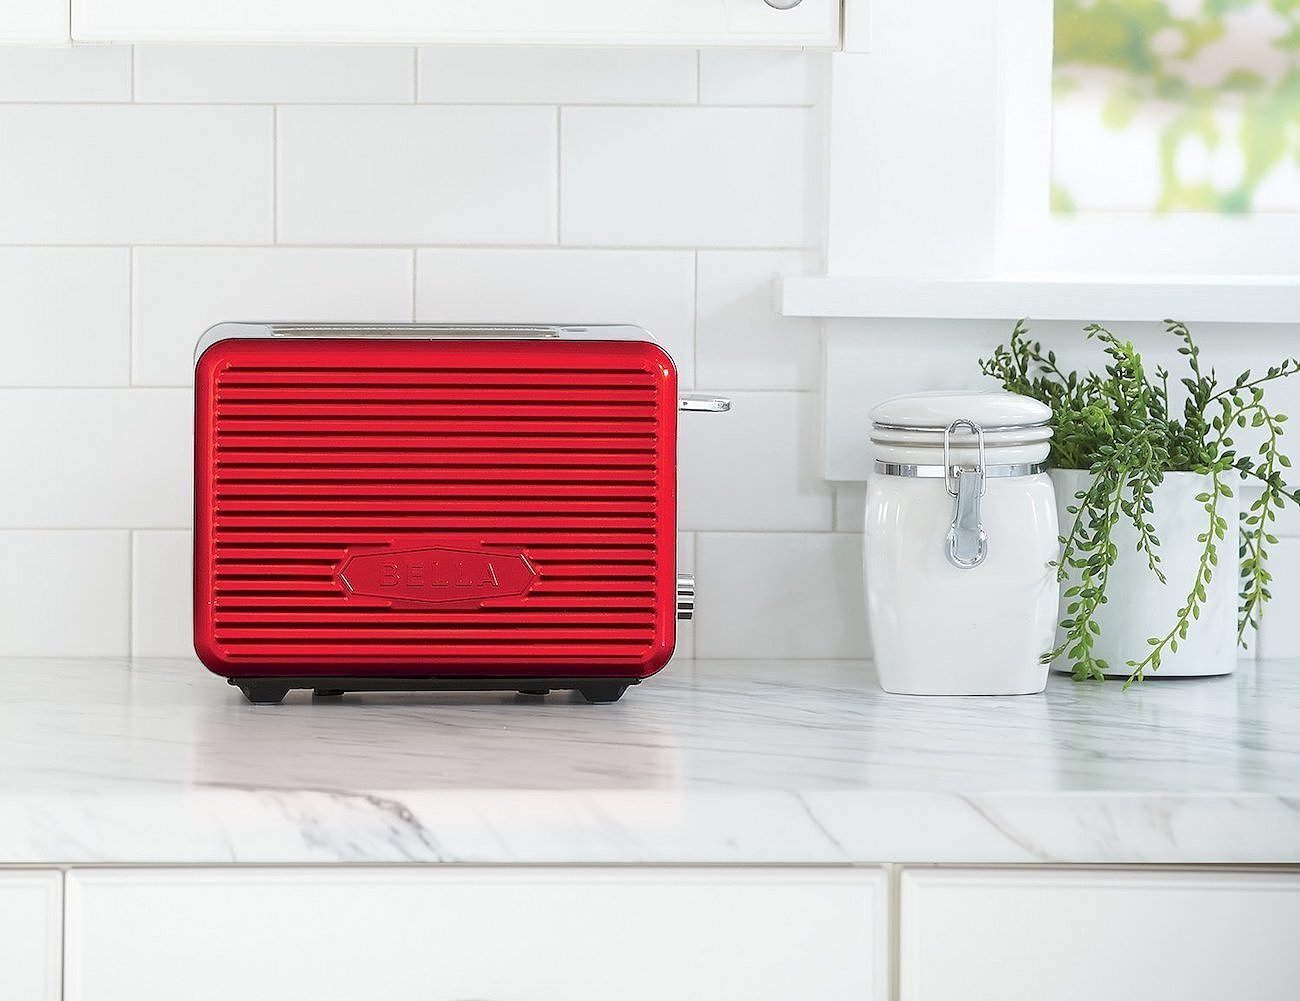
(741, 340)
(1287, 523)
(850, 507)
(780, 595)
(162, 594)
(64, 316)
(378, 175)
(1279, 631)
(868, 362)
(80, 73)
(339, 74)
(180, 292)
(96, 458)
(685, 648)
(720, 177)
(761, 76)
(751, 469)
(653, 289)
(436, 185)
(66, 594)
(532, 74)
(132, 174)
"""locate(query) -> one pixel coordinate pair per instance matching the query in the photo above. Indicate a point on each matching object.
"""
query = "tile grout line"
(275, 174)
(400, 103)
(681, 528)
(429, 245)
(130, 317)
(171, 387)
(62, 529)
(415, 282)
(559, 175)
(695, 325)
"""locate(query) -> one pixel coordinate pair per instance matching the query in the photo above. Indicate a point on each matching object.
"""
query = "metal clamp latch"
(967, 541)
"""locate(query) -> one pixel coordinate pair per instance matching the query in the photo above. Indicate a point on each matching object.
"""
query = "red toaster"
(436, 507)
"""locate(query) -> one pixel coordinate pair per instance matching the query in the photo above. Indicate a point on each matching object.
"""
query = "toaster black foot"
(271, 691)
(264, 693)
(602, 693)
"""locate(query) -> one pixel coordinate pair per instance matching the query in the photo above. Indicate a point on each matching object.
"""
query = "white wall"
(147, 194)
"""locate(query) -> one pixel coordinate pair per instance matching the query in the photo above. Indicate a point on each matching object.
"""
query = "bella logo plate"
(436, 575)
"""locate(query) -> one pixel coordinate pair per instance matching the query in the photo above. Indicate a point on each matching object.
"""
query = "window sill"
(1206, 299)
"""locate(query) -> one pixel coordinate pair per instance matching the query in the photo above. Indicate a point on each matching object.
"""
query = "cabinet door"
(648, 22)
(638, 22)
(43, 21)
(1088, 935)
(31, 929)
(489, 934)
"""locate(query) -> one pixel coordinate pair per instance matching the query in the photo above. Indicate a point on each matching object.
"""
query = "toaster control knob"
(686, 596)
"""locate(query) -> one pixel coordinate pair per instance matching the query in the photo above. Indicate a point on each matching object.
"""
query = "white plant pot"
(1139, 606)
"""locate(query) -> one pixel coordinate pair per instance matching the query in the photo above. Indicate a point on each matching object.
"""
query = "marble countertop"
(157, 761)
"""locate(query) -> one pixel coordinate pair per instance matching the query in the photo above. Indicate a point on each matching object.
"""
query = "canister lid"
(1007, 420)
(935, 411)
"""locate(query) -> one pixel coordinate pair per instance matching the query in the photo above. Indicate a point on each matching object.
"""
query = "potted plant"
(1146, 494)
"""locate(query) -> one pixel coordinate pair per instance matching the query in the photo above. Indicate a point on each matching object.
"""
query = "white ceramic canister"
(961, 530)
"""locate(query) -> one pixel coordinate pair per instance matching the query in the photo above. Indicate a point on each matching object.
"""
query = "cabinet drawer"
(1081, 936)
(490, 934)
(31, 918)
(634, 22)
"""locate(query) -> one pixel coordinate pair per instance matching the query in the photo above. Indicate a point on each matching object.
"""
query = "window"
(1165, 106)
(1150, 137)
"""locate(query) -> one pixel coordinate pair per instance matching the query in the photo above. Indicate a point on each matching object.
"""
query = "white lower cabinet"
(31, 912)
(489, 934)
(1074, 935)
(647, 934)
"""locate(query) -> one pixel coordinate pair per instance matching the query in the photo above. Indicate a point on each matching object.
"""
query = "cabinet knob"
(784, 4)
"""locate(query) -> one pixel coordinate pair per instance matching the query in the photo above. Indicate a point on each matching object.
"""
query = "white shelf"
(1248, 299)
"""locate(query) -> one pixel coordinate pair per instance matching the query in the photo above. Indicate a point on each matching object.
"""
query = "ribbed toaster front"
(435, 507)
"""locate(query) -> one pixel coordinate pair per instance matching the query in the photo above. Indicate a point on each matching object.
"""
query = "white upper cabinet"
(33, 21)
(635, 22)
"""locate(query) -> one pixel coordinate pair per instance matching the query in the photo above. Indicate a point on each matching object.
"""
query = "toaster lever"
(704, 404)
